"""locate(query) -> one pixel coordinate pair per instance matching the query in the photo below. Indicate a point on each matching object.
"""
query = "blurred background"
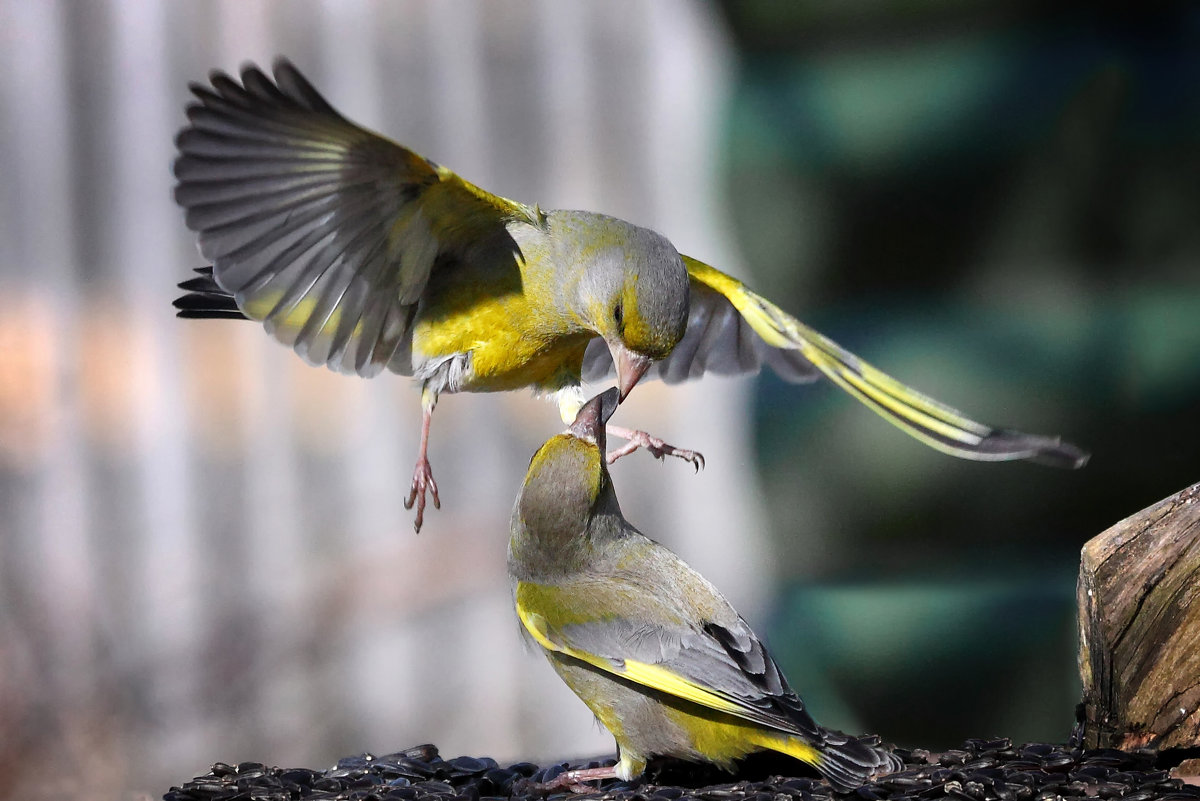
(203, 552)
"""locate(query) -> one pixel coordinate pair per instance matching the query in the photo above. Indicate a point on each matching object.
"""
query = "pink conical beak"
(631, 367)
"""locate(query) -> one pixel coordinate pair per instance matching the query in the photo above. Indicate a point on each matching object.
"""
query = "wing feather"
(322, 230)
(725, 669)
(732, 330)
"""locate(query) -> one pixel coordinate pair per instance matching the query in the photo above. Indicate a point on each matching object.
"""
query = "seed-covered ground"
(980, 770)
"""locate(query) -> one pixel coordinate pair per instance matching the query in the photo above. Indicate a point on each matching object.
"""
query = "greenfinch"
(653, 649)
(362, 255)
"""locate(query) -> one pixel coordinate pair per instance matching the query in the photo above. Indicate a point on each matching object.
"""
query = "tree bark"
(1139, 628)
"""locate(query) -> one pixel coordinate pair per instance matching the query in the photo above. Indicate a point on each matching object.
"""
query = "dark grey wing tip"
(205, 299)
(282, 63)
(1063, 455)
(298, 89)
(215, 75)
(200, 90)
(1049, 451)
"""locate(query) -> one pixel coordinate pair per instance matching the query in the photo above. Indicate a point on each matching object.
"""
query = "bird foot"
(657, 448)
(422, 482)
(573, 780)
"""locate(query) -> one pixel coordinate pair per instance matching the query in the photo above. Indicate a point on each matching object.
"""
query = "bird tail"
(205, 299)
(846, 762)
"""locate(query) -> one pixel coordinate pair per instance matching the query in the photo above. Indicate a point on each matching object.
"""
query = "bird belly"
(647, 723)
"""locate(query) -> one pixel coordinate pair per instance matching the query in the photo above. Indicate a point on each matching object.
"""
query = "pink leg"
(657, 448)
(422, 480)
(573, 780)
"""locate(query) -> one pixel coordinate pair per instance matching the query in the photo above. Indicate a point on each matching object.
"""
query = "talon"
(656, 447)
(571, 780)
(422, 483)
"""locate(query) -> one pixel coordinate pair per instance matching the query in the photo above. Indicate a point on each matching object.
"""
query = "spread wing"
(724, 668)
(322, 230)
(732, 330)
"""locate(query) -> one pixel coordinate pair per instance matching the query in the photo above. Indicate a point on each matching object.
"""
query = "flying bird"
(362, 256)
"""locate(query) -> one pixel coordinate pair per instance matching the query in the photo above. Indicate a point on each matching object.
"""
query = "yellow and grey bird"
(652, 648)
(362, 255)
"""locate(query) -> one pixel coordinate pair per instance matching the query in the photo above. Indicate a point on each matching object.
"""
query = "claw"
(572, 780)
(657, 448)
(422, 482)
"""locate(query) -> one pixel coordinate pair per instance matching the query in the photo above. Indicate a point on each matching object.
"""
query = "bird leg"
(573, 780)
(657, 448)
(422, 480)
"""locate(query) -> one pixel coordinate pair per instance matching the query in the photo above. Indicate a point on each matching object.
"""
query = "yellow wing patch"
(656, 677)
(668, 681)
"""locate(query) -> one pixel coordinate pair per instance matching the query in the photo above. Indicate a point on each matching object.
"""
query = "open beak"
(631, 367)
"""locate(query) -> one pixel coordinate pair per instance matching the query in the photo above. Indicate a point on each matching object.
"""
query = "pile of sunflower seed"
(980, 770)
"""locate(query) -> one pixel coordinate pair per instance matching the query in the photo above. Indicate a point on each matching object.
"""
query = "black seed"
(1057, 762)
(1122, 777)
(549, 774)
(801, 783)
(471, 765)
(434, 787)
(1140, 795)
(208, 787)
(525, 769)
(907, 782)
(302, 776)
(1022, 777)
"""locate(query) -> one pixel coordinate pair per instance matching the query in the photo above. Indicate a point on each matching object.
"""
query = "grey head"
(633, 289)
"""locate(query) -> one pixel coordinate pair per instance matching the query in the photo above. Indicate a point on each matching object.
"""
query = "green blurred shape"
(932, 662)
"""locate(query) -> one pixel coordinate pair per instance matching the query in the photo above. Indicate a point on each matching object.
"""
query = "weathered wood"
(1139, 628)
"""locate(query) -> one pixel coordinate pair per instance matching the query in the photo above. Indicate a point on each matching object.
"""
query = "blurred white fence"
(203, 553)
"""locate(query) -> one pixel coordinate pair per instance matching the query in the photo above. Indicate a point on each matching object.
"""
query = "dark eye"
(619, 315)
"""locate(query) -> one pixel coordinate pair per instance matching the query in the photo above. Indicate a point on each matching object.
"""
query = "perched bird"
(653, 649)
(362, 255)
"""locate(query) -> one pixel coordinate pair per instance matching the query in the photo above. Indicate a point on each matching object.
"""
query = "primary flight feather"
(362, 255)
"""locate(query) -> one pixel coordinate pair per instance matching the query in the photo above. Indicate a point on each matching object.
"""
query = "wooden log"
(1139, 629)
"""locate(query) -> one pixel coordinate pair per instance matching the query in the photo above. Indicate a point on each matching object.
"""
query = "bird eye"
(619, 315)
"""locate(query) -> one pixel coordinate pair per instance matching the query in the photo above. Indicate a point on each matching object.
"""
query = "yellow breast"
(507, 314)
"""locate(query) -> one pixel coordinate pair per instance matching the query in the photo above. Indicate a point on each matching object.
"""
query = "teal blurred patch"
(932, 662)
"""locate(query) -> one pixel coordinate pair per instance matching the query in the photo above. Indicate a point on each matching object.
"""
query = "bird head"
(634, 292)
(566, 487)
